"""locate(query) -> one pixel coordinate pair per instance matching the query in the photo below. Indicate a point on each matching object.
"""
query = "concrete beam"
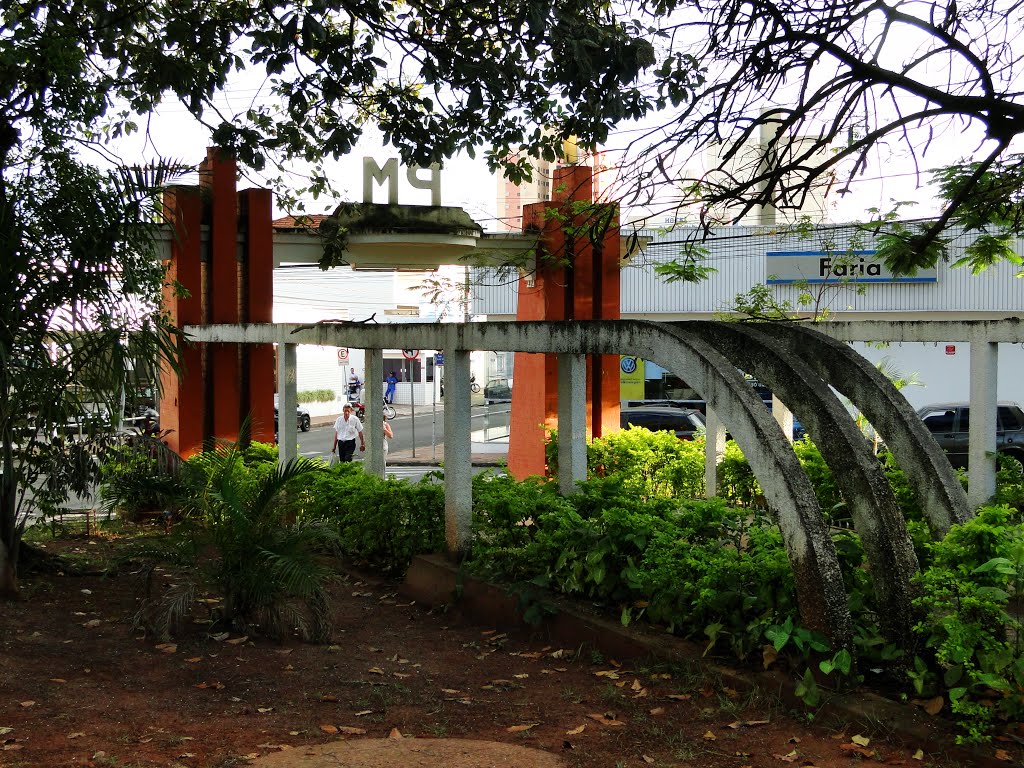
(714, 450)
(458, 466)
(572, 422)
(287, 402)
(373, 392)
(981, 450)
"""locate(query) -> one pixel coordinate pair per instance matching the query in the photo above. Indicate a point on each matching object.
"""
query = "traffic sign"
(410, 354)
(439, 358)
(342, 354)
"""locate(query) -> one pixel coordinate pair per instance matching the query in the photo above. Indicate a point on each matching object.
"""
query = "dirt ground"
(79, 686)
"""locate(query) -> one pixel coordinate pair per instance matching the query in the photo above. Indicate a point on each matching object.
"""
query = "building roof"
(304, 221)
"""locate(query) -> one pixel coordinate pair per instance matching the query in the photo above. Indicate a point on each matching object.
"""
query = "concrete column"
(458, 467)
(981, 474)
(572, 422)
(783, 416)
(714, 449)
(287, 440)
(374, 394)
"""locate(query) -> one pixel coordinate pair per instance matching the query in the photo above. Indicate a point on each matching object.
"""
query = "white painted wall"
(947, 377)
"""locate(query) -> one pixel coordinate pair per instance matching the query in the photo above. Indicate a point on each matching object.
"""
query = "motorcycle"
(360, 411)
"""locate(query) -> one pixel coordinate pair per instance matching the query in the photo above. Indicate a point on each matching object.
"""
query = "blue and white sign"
(628, 364)
(783, 267)
(439, 358)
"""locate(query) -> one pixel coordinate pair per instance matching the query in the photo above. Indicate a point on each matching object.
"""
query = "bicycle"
(389, 411)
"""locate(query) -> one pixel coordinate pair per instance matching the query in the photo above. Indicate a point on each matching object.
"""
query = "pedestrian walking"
(347, 429)
(388, 435)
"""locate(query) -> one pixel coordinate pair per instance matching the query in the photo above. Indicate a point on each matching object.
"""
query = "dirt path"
(79, 686)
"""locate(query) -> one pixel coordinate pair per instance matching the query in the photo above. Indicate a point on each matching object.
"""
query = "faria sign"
(784, 267)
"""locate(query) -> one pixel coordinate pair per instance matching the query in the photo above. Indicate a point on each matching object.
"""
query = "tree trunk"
(8, 575)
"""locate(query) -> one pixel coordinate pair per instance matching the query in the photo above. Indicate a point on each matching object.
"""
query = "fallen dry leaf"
(395, 734)
(92, 624)
(709, 736)
(792, 757)
(27, 704)
(862, 741)
(769, 655)
(934, 706)
(919, 755)
(167, 647)
(328, 697)
(57, 680)
(264, 710)
(1002, 754)
(76, 735)
(647, 759)
(657, 711)
(194, 660)
(329, 728)
(576, 731)
(607, 719)
(520, 728)
(375, 671)
(858, 749)
(351, 731)
(364, 712)
(609, 673)
(679, 696)
(238, 640)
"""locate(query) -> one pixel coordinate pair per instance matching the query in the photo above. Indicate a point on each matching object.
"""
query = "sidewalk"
(490, 454)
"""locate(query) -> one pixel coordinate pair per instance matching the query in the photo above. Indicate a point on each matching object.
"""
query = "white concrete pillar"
(374, 395)
(714, 450)
(287, 402)
(783, 416)
(572, 422)
(981, 474)
(458, 454)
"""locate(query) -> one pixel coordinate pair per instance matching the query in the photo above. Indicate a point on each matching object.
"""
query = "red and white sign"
(951, 349)
(342, 354)
(410, 354)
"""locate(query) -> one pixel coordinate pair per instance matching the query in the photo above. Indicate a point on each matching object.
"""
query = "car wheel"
(304, 424)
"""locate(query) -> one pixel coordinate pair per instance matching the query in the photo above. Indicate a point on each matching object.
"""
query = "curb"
(435, 581)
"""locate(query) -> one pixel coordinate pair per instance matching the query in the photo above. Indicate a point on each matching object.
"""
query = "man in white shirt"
(346, 429)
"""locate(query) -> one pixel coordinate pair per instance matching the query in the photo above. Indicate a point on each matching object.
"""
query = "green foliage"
(651, 464)
(239, 536)
(315, 396)
(969, 622)
(689, 268)
(381, 523)
(507, 516)
(131, 483)
(736, 481)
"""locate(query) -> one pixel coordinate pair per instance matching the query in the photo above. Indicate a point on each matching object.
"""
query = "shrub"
(315, 396)
(975, 639)
(651, 463)
(380, 523)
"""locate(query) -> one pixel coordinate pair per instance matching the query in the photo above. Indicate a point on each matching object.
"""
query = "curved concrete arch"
(873, 506)
(812, 555)
(942, 497)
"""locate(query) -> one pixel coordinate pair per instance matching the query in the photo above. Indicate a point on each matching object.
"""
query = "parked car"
(498, 391)
(686, 423)
(949, 424)
(302, 419)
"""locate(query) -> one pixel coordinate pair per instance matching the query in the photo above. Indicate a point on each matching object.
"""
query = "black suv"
(950, 423)
(684, 422)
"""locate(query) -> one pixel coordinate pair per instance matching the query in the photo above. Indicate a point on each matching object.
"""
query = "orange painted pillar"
(224, 382)
(258, 389)
(579, 281)
(182, 402)
(220, 384)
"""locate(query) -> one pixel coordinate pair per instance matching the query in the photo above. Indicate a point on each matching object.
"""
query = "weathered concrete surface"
(943, 500)
(410, 753)
(857, 472)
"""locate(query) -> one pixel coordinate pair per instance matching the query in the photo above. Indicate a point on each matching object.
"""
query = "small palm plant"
(237, 531)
